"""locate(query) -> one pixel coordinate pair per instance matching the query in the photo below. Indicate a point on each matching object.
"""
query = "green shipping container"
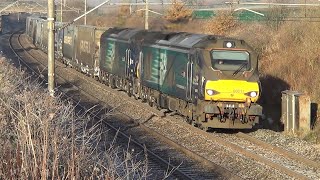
(249, 16)
(203, 14)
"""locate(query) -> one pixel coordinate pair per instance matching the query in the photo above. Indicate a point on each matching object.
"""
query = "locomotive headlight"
(211, 92)
(252, 94)
(229, 44)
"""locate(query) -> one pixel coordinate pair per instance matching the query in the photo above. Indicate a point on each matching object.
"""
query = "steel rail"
(247, 153)
(281, 151)
(224, 172)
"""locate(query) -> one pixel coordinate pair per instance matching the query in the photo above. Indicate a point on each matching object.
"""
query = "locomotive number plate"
(238, 91)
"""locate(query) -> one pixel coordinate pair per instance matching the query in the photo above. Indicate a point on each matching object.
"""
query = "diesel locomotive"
(212, 81)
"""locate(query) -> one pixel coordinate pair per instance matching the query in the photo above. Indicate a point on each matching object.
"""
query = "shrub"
(221, 24)
(178, 13)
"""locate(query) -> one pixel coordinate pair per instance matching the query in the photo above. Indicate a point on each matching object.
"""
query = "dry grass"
(43, 138)
(221, 24)
(293, 56)
(289, 58)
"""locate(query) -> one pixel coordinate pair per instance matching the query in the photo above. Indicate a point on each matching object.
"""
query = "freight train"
(212, 81)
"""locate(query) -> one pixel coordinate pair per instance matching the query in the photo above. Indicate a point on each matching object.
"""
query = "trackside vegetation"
(45, 138)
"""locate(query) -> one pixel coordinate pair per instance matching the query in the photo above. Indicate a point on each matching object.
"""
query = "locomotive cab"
(230, 84)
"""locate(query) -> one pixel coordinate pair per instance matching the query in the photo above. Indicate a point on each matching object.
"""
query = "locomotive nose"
(232, 90)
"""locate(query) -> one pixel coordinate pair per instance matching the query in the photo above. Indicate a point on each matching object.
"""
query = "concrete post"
(296, 112)
(85, 12)
(294, 118)
(146, 24)
(305, 113)
(61, 9)
(51, 10)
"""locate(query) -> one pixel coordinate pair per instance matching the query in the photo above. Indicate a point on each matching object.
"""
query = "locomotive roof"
(173, 39)
(186, 40)
(129, 34)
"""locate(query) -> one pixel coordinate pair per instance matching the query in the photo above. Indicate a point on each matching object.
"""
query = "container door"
(97, 37)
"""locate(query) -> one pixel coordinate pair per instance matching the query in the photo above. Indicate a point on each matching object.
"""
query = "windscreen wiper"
(240, 68)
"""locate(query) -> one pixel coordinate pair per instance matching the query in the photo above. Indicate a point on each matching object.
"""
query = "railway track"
(275, 149)
(183, 170)
(293, 165)
(253, 149)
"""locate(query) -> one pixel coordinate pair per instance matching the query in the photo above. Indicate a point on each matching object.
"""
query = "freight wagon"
(86, 48)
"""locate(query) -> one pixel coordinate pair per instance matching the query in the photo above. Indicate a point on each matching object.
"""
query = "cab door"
(189, 79)
(193, 71)
(128, 63)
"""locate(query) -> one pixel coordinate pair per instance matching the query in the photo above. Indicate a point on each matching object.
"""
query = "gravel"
(290, 143)
(309, 172)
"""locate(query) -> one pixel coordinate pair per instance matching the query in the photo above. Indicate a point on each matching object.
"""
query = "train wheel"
(112, 82)
(200, 126)
(105, 79)
(136, 89)
(150, 103)
(150, 100)
(188, 120)
(135, 92)
(128, 89)
(157, 104)
(143, 95)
